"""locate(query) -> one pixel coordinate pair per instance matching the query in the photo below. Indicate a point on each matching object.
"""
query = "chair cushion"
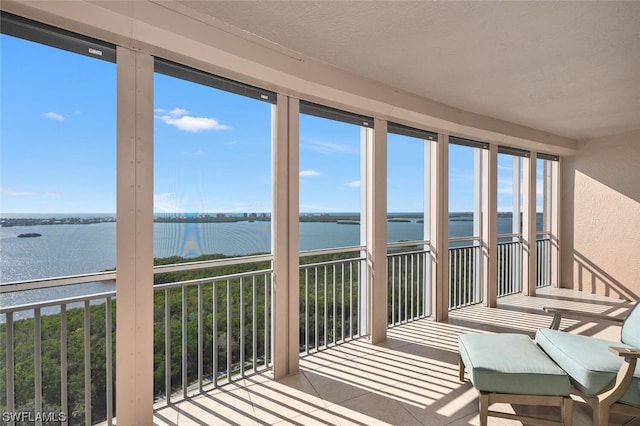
(588, 362)
(510, 363)
(631, 327)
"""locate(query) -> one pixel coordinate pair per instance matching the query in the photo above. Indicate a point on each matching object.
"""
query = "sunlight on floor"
(411, 379)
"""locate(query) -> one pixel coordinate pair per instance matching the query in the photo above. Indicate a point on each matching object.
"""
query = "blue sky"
(212, 148)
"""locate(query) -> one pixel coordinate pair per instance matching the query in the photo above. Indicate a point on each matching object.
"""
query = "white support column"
(477, 192)
(364, 297)
(285, 237)
(428, 213)
(376, 229)
(439, 224)
(489, 238)
(477, 212)
(554, 221)
(516, 227)
(515, 194)
(134, 236)
(547, 205)
(529, 255)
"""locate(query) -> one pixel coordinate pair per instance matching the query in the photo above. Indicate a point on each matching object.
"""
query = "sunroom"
(287, 212)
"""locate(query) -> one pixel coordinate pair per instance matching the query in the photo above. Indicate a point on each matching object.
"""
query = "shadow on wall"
(613, 161)
(590, 278)
(600, 217)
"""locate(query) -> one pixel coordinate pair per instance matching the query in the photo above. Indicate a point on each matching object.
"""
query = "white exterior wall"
(600, 244)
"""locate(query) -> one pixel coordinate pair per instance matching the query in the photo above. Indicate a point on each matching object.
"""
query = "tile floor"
(411, 379)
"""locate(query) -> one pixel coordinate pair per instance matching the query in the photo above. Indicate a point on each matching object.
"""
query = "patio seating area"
(412, 379)
(254, 214)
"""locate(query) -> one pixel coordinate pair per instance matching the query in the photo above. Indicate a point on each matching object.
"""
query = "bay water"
(72, 249)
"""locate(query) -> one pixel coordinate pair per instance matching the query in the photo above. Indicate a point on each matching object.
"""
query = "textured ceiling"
(569, 68)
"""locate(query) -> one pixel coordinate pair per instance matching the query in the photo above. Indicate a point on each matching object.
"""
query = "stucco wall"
(600, 244)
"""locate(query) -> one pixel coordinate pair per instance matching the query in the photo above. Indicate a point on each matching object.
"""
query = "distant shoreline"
(30, 221)
(351, 218)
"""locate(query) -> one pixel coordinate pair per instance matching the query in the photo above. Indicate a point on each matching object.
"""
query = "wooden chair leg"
(567, 411)
(601, 415)
(484, 408)
(461, 368)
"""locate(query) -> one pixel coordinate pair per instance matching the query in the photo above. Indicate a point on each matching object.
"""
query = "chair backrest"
(631, 327)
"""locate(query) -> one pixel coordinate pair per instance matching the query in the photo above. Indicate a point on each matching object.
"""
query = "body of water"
(71, 249)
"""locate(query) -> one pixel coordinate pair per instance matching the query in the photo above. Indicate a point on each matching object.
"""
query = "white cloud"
(353, 184)
(178, 112)
(54, 116)
(193, 124)
(178, 118)
(309, 173)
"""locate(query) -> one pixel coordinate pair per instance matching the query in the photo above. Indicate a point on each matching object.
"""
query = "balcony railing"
(509, 266)
(464, 277)
(543, 260)
(211, 331)
(63, 361)
(58, 355)
(464, 267)
(330, 295)
(408, 289)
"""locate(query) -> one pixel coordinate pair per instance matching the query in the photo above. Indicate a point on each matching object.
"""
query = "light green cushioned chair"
(511, 368)
(630, 334)
(510, 363)
(588, 362)
(604, 372)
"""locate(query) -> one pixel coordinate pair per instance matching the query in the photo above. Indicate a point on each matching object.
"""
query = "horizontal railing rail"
(404, 244)
(510, 235)
(328, 251)
(216, 263)
(39, 284)
(57, 302)
(43, 283)
(469, 240)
